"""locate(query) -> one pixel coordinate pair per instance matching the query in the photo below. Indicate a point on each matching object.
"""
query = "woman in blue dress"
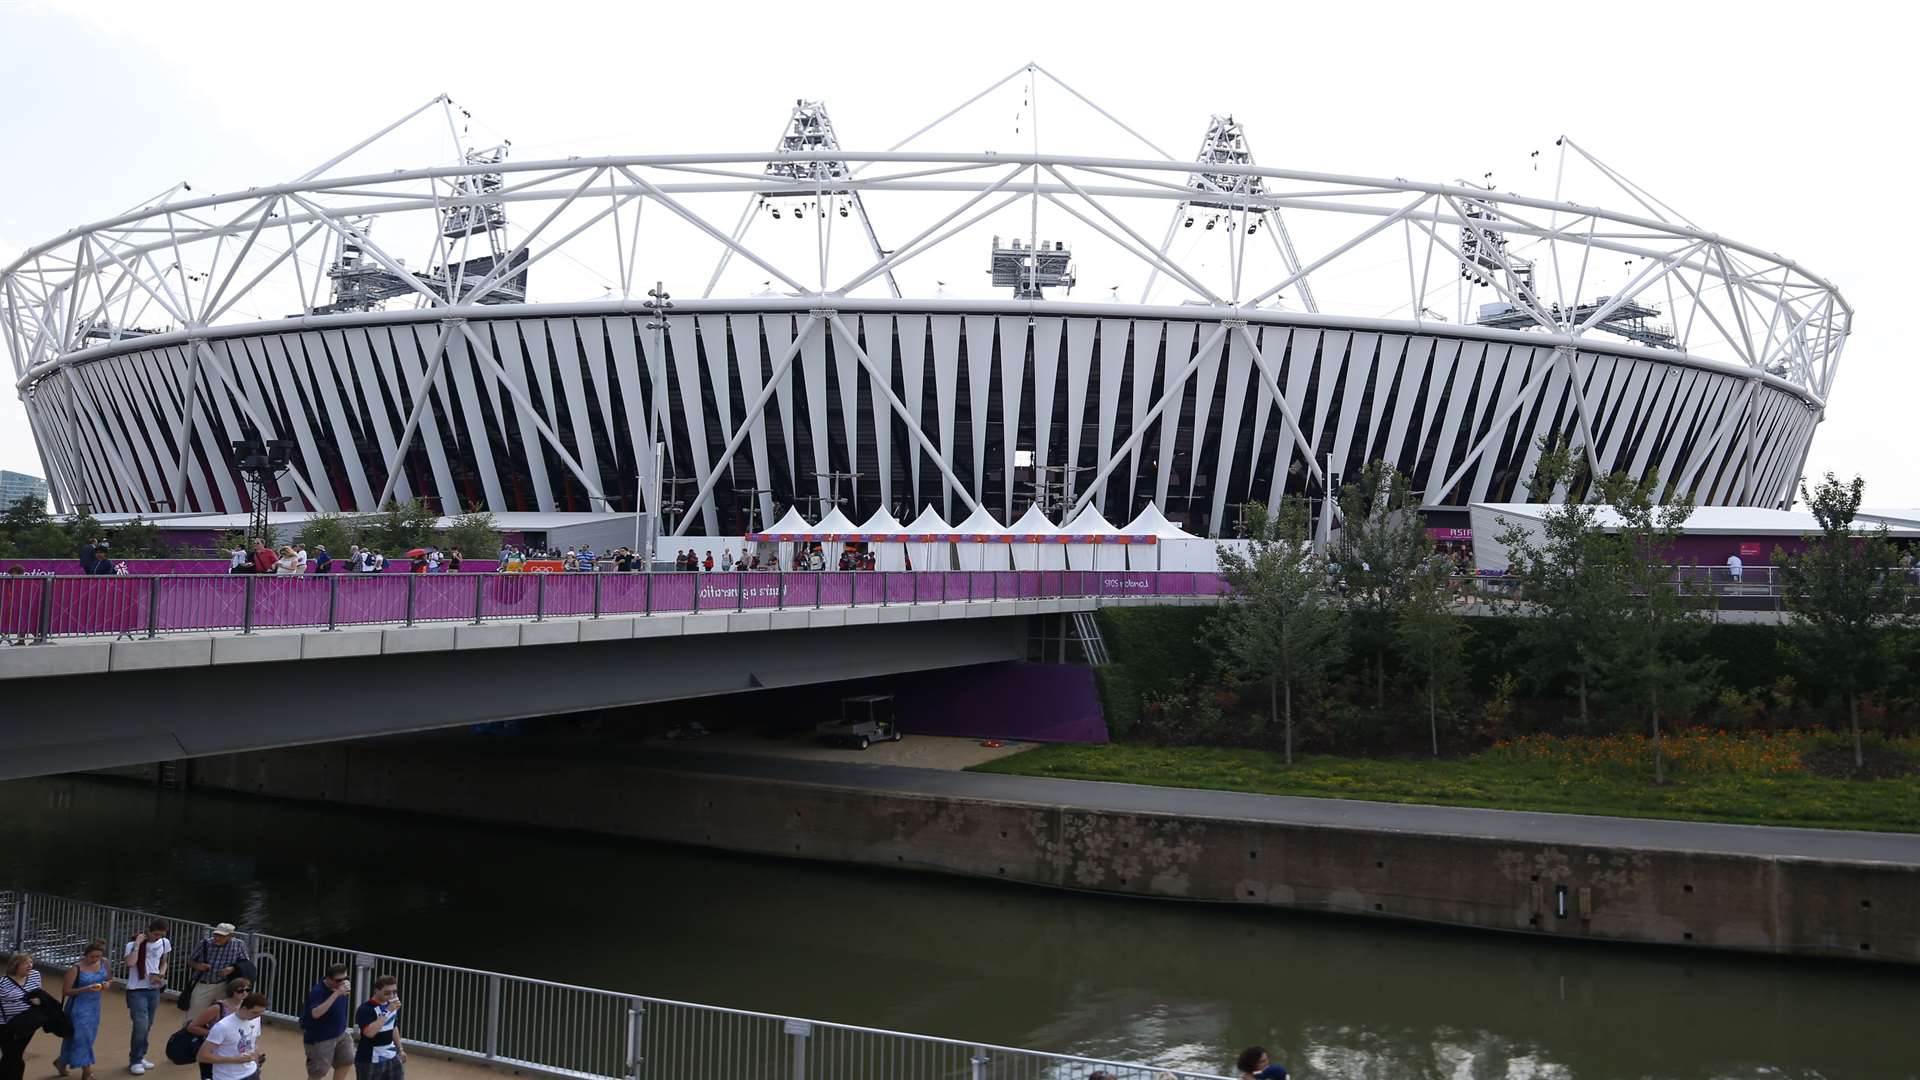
(86, 981)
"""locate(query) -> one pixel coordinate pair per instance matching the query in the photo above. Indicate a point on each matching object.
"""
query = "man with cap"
(212, 962)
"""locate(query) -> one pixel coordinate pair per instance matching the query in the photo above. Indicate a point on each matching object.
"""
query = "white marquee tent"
(982, 544)
(1095, 543)
(1036, 544)
(927, 544)
(883, 532)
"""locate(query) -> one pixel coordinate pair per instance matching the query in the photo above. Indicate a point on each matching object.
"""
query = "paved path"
(1752, 840)
(281, 1041)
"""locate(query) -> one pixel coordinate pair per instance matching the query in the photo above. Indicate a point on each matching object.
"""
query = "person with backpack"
(184, 1047)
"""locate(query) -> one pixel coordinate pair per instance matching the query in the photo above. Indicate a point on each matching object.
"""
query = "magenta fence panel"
(198, 603)
(836, 588)
(1006, 585)
(763, 590)
(20, 599)
(803, 590)
(620, 594)
(138, 567)
(511, 596)
(568, 594)
(441, 598)
(361, 599)
(899, 587)
(673, 592)
(719, 591)
(869, 588)
(98, 605)
(288, 601)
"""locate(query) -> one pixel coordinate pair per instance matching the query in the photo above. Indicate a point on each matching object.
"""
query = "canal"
(1177, 983)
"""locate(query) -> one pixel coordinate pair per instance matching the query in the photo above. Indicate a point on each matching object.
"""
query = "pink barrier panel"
(1006, 585)
(673, 592)
(869, 588)
(511, 596)
(899, 587)
(369, 598)
(444, 597)
(719, 592)
(1122, 583)
(803, 590)
(99, 605)
(835, 588)
(569, 594)
(201, 603)
(293, 601)
(20, 606)
(623, 594)
(764, 590)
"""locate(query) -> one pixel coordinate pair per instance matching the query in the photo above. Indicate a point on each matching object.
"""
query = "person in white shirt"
(232, 1046)
(146, 977)
(301, 554)
(1735, 567)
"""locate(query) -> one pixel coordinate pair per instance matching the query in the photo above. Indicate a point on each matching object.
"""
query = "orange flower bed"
(1694, 750)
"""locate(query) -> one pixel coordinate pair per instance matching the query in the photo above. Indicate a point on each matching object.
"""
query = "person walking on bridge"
(213, 961)
(323, 1026)
(146, 957)
(232, 1047)
(380, 1055)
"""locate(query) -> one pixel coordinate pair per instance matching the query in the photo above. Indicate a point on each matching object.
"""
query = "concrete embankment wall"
(1796, 906)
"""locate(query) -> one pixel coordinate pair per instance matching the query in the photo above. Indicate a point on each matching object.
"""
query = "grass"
(1752, 780)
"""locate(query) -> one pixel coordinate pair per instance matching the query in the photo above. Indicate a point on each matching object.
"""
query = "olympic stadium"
(902, 328)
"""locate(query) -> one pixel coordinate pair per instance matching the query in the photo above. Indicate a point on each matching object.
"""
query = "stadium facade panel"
(1080, 391)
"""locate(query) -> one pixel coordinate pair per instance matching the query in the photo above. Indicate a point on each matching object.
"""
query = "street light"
(658, 302)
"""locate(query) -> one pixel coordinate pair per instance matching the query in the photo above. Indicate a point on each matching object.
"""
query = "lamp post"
(658, 302)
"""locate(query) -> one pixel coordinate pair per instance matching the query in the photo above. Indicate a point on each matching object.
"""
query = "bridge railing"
(39, 608)
(532, 1025)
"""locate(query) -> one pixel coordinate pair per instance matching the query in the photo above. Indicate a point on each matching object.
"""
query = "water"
(1178, 983)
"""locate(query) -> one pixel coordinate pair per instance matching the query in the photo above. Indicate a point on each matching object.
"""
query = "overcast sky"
(1787, 126)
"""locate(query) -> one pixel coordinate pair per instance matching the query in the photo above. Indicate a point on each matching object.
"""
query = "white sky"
(1782, 125)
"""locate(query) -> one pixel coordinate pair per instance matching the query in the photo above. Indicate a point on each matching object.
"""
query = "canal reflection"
(1174, 982)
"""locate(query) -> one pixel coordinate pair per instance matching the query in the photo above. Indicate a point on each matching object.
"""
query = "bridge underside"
(69, 723)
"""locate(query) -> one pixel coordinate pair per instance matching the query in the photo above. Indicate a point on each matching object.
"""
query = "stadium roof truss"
(188, 268)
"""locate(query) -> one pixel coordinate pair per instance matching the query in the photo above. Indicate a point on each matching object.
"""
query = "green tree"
(472, 534)
(1382, 546)
(399, 527)
(1568, 582)
(337, 532)
(1433, 639)
(1659, 660)
(1280, 626)
(139, 539)
(1846, 593)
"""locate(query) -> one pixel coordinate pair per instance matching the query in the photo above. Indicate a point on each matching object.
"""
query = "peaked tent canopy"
(1093, 543)
(1036, 542)
(887, 536)
(1171, 547)
(982, 542)
(928, 544)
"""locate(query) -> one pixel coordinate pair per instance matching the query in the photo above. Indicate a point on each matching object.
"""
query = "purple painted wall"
(41, 567)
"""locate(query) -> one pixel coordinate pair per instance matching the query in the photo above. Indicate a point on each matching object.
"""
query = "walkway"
(1574, 829)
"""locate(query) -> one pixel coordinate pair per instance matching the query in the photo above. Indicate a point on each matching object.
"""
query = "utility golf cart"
(863, 720)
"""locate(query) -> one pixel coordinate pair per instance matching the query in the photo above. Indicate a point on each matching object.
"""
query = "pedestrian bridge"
(122, 670)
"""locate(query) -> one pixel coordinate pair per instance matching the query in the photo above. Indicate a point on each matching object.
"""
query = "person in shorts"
(323, 1026)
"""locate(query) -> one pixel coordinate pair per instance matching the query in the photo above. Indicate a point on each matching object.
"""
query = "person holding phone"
(232, 1046)
(146, 957)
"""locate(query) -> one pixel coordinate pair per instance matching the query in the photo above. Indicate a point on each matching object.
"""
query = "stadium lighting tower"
(261, 462)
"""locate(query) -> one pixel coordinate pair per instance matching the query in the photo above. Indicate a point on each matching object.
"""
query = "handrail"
(639, 1035)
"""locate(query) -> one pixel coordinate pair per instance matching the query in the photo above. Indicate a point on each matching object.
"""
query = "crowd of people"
(221, 1032)
(804, 558)
(294, 559)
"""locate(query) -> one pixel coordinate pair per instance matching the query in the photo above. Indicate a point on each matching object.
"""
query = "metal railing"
(39, 608)
(562, 1030)
(1755, 588)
